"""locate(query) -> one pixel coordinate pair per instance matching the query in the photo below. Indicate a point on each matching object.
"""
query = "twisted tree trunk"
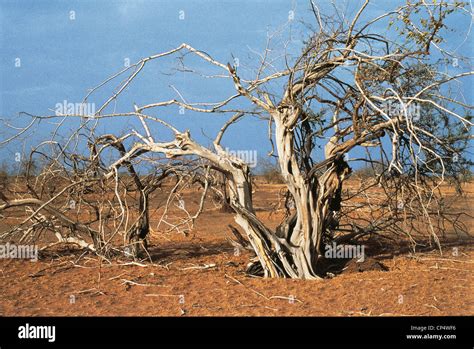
(294, 249)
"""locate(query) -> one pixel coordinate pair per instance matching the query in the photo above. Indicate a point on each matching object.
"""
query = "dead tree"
(335, 95)
(84, 201)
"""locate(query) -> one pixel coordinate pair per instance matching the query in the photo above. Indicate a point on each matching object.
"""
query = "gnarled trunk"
(294, 249)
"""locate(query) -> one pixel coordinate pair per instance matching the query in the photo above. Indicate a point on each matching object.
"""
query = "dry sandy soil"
(201, 275)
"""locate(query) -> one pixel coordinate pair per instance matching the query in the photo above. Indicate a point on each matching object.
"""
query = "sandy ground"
(202, 275)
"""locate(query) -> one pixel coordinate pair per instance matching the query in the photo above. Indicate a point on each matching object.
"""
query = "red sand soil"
(202, 275)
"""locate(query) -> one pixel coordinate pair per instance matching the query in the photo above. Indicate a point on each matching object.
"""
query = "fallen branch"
(261, 294)
(205, 266)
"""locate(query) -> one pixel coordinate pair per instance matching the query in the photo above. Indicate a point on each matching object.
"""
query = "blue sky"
(62, 57)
